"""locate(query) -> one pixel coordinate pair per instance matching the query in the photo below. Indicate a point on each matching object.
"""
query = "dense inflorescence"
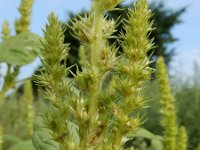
(28, 101)
(133, 69)
(103, 95)
(182, 139)
(5, 30)
(54, 77)
(22, 24)
(168, 112)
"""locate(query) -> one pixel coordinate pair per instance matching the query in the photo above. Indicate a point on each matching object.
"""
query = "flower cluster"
(5, 30)
(168, 112)
(22, 24)
(103, 96)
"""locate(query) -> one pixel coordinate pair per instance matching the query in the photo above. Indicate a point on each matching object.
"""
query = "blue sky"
(187, 48)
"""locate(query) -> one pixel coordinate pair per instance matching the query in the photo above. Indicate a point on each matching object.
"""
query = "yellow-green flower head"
(5, 30)
(168, 111)
(108, 28)
(53, 52)
(28, 99)
(22, 24)
(137, 31)
(182, 139)
(81, 27)
(106, 5)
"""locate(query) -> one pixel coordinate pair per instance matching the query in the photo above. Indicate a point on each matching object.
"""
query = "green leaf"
(25, 145)
(141, 132)
(156, 145)
(156, 141)
(73, 131)
(21, 49)
(42, 138)
(10, 140)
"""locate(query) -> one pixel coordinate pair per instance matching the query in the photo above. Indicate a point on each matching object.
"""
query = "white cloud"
(184, 62)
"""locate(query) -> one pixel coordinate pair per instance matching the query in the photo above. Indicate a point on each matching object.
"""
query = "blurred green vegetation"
(187, 95)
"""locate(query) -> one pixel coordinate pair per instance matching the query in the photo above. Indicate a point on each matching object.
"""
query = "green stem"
(9, 81)
(96, 47)
(97, 34)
